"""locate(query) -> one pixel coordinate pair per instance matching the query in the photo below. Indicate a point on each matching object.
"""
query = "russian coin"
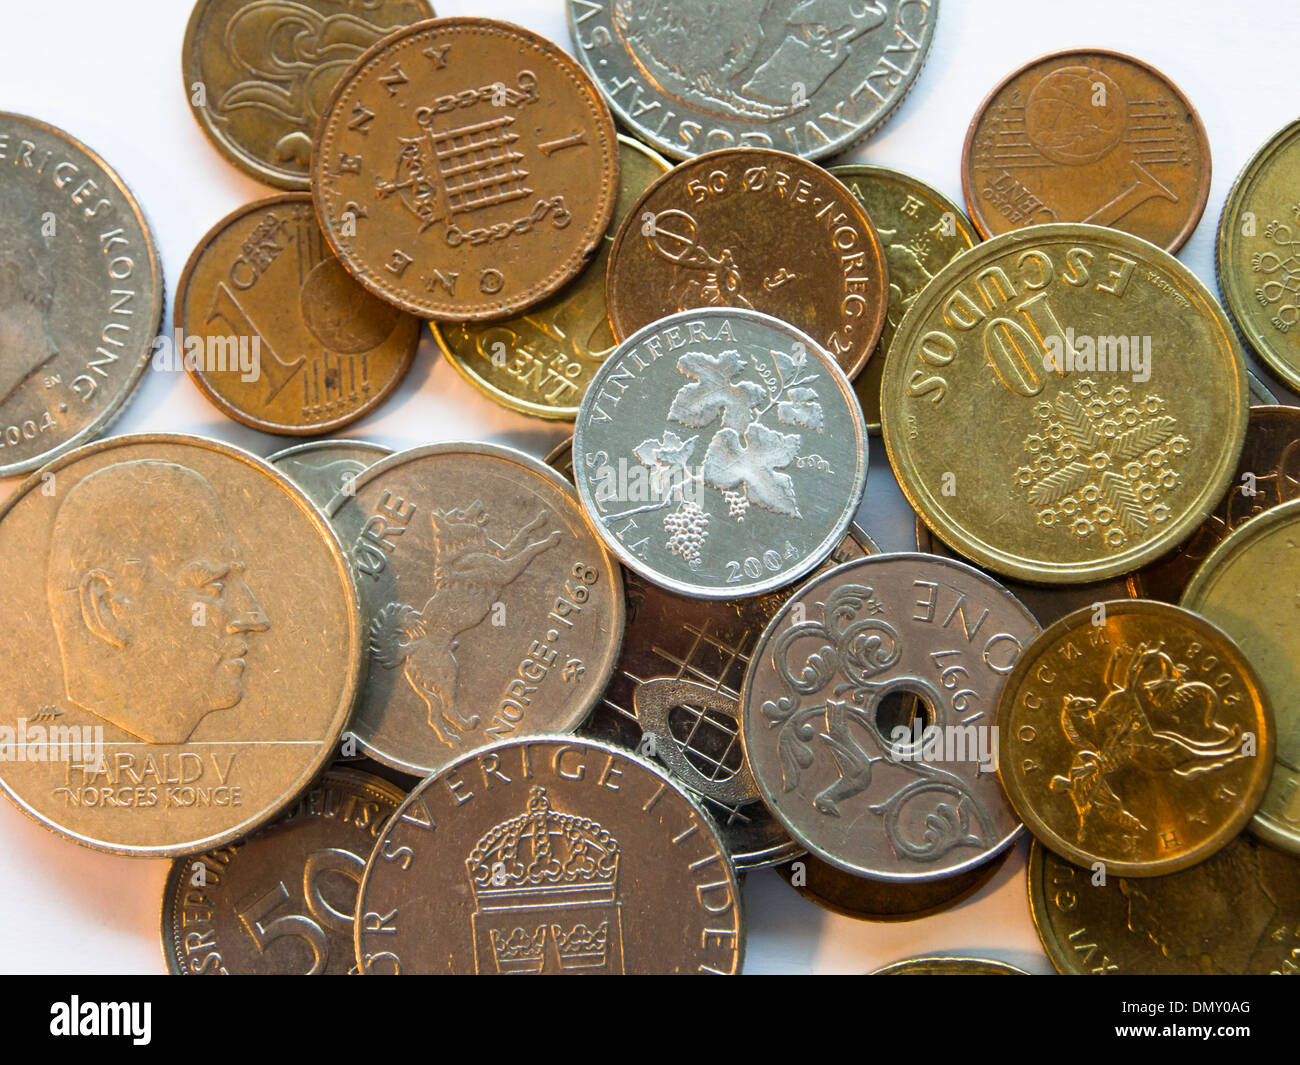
(1088, 136)
(81, 294)
(189, 649)
(1235, 912)
(873, 782)
(921, 231)
(1093, 455)
(803, 78)
(258, 72)
(282, 901)
(324, 469)
(1134, 735)
(877, 900)
(549, 855)
(1268, 473)
(492, 607)
(944, 966)
(720, 408)
(465, 169)
(541, 362)
(1247, 587)
(756, 229)
(1255, 254)
(282, 338)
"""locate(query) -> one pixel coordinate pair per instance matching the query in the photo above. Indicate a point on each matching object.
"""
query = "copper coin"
(257, 74)
(753, 228)
(277, 335)
(1088, 136)
(465, 169)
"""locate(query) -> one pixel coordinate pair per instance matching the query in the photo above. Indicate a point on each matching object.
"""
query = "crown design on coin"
(545, 889)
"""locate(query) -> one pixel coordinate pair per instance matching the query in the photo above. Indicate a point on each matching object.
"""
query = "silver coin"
(326, 469)
(692, 76)
(720, 453)
(1260, 394)
(874, 782)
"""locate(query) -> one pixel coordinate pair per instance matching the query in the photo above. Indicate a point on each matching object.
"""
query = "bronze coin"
(257, 74)
(276, 334)
(465, 169)
(753, 228)
(1088, 136)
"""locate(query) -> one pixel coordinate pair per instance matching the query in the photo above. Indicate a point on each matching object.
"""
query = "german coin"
(1268, 473)
(282, 901)
(549, 855)
(541, 362)
(921, 231)
(942, 966)
(257, 73)
(867, 716)
(81, 294)
(1088, 136)
(493, 609)
(720, 453)
(1247, 587)
(465, 169)
(1255, 254)
(1093, 457)
(185, 644)
(278, 335)
(1139, 738)
(326, 468)
(755, 229)
(1236, 912)
(803, 78)
(877, 900)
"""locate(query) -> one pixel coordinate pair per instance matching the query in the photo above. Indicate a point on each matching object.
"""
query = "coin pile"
(462, 709)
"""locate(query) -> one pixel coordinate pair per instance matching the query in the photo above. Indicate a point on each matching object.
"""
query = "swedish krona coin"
(1135, 734)
(1093, 455)
(803, 78)
(921, 231)
(465, 169)
(872, 781)
(1088, 136)
(1255, 254)
(288, 342)
(190, 650)
(720, 453)
(282, 901)
(81, 293)
(541, 362)
(549, 855)
(945, 966)
(325, 468)
(1248, 588)
(492, 607)
(1235, 912)
(756, 229)
(257, 74)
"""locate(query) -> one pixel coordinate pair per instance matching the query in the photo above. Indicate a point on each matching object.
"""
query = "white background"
(108, 71)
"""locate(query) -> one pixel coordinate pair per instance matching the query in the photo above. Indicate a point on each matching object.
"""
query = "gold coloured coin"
(943, 966)
(1134, 735)
(1037, 405)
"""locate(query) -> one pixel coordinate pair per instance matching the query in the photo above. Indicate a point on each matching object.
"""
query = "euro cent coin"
(189, 650)
(1036, 407)
(465, 169)
(549, 855)
(81, 294)
(720, 453)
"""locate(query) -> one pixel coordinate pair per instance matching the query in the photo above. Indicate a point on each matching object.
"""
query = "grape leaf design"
(801, 408)
(755, 461)
(666, 458)
(714, 391)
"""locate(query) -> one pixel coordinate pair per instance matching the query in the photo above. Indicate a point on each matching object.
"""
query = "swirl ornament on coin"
(492, 607)
(465, 169)
(81, 294)
(720, 453)
(191, 647)
(804, 78)
(1037, 411)
(282, 901)
(867, 716)
(1136, 735)
(549, 855)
